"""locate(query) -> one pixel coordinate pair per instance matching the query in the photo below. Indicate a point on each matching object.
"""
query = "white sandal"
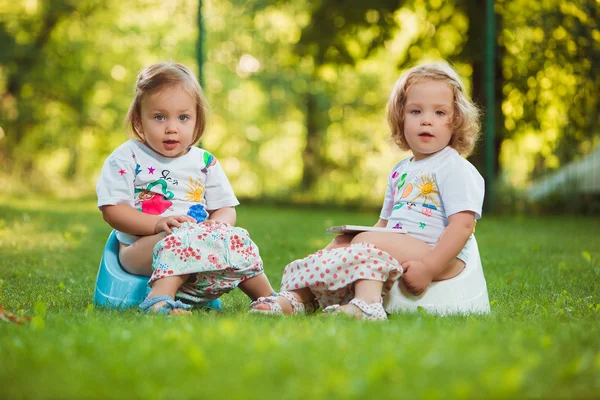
(371, 312)
(275, 307)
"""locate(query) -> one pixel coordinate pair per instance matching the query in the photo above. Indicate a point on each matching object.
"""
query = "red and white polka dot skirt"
(330, 274)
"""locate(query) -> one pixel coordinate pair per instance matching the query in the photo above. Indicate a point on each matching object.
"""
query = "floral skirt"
(216, 256)
(331, 274)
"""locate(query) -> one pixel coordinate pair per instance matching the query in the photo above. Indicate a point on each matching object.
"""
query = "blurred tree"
(326, 40)
(22, 51)
(297, 88)
(67, 71)
(342, 32)
(552, 73)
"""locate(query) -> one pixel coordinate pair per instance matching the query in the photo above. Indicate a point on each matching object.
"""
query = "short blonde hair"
(158, 77)
(465, 120)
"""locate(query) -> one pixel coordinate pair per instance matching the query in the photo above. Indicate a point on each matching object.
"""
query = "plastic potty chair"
(464, 294)
(116, 288)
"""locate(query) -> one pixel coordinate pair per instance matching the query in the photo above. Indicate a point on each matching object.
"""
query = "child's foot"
(360, 310)
(271, 305)
(164, 305)
(350, 310)
(284, 303)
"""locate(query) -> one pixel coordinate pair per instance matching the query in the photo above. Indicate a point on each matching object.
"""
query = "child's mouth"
(425, 135)
(170, 144)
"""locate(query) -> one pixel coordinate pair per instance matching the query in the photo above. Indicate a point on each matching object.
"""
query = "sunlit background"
(298, 91)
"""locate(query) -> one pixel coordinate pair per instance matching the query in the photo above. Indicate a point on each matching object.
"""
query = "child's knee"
(363, 237)
(339, 241)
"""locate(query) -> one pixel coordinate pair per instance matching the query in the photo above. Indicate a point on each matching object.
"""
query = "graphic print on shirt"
(209, 161)
(154, 203)
(196, 194)
(428, 190)
(196, 191)
(416, 193)
(400, 184)
(407, 191)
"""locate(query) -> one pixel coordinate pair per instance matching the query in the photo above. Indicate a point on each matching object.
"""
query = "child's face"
(427, 117)
(167, 121)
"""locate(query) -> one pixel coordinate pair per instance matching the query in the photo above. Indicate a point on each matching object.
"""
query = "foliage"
(541, 341)
(551, 99)
(298, 88)
(66, 78)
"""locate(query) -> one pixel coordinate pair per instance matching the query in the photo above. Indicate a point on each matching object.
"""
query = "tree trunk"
(311, 156)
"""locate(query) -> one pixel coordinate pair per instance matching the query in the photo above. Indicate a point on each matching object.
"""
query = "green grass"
(542, 339)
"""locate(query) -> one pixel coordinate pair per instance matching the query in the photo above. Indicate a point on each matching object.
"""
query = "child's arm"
(125, 218)
(382, 223)
(419, 274)
(224, 214)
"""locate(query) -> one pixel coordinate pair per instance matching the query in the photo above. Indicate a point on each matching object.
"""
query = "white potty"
(464, 294)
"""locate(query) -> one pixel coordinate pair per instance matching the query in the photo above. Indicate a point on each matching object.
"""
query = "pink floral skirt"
(331, 274)
(217, 257)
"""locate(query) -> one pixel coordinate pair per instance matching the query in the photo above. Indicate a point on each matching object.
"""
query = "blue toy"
(116, 288)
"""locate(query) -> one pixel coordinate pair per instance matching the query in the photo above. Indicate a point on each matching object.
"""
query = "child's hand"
(165, 224)
(416, 276)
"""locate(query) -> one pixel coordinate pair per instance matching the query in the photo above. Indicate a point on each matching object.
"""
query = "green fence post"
(490, 102)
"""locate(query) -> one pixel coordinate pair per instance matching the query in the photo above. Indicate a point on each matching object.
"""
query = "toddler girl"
(171, 202)
(435, 195)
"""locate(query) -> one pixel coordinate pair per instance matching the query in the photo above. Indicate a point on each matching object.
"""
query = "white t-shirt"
(188, 185)
(421, 195)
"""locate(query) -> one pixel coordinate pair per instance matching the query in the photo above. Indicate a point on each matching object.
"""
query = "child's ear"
(138, 124)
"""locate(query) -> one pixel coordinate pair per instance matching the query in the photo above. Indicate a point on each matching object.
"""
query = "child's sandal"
(371, 312)
(170, 305)
(275, 307)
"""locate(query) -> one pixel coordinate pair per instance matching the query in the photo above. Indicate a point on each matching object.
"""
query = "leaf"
(10, 317)
(89, 309)
(587, 256)
(37, 323)
(39, 309)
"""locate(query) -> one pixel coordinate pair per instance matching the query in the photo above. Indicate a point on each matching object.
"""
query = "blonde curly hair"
(158, 77)
(465, 119)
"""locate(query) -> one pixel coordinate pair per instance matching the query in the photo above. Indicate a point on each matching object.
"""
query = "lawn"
(542, 339)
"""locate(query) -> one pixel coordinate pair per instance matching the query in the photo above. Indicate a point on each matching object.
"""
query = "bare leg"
(168, 286)
(257, 286)
(304, 295)
(137, 257)
(367, 291)
(340, 241)
(405, 248)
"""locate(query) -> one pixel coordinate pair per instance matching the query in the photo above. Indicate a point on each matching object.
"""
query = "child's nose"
(171, 127)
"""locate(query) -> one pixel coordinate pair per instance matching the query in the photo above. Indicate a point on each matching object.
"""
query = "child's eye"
(415, 112)
(159, 117)
(440, 112)
(183, 117)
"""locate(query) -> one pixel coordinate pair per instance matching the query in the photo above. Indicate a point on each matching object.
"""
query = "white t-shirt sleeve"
(218, 190)
(388, 201)
(116, 182)
(461, 187)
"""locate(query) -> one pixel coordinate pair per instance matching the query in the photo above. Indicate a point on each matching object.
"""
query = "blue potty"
(116, 288)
